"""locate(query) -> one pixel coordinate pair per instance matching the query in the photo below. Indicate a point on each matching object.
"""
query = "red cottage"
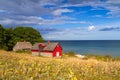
(47, 49)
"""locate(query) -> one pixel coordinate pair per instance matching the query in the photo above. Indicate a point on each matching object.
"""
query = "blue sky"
(65, 19)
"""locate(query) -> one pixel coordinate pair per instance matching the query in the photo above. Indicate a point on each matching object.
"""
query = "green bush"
(71, 54)
(24, 51)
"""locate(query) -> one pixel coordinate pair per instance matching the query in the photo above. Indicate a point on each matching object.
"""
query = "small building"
(50, 49)
(22, 46)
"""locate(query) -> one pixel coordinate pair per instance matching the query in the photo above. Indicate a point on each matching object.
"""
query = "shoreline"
(92, 56)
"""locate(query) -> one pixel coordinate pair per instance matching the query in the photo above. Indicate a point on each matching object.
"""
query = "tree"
(27, 34)
(8, 39)
(1, 36)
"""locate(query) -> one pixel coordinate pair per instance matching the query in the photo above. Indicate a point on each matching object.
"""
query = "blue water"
(100, 47)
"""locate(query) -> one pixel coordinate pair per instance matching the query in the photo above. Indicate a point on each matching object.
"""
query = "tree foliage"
(27, 34)
(1, 36)
(9, 37)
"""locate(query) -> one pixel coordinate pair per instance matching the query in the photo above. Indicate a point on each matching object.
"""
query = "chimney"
(48, 41)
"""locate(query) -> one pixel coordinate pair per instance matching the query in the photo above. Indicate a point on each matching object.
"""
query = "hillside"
(21, 66)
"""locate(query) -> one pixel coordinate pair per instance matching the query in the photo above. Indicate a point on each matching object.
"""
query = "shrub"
(71, 54)
(24, 51)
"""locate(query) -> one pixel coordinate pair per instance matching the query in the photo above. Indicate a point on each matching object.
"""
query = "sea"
(96, 47)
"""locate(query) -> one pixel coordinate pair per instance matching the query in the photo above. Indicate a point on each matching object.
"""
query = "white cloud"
(80, 34)
(68, 33)
(34, 20)
(98, 16)
(22, 20)
(59, 12)
(91, 28)
(113, 1)
(2, 11)
(113, 6)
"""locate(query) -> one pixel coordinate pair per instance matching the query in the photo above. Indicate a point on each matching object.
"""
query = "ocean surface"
(99, 47)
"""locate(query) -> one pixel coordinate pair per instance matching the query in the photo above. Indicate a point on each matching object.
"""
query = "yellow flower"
(74, 78)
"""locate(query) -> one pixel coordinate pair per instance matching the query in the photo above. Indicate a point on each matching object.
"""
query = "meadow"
(22, 66)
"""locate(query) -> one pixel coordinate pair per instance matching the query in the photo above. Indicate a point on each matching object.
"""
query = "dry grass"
(19, 66)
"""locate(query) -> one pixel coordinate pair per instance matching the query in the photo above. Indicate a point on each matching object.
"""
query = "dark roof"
(36, 46)
(48, 46)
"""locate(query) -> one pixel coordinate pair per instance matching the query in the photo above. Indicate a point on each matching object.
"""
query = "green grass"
(17, 66)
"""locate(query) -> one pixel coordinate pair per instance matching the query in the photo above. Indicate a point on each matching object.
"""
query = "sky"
(65, 19)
